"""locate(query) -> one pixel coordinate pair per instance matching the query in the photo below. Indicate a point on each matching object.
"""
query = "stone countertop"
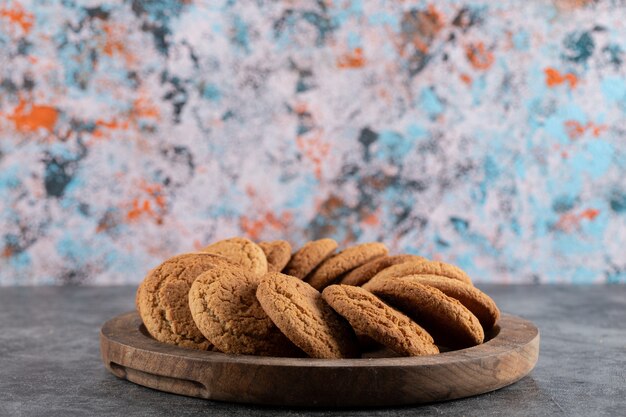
(50, 359)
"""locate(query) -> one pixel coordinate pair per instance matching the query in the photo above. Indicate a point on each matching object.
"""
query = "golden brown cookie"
(278, 253)
(309, 256)
(162, 298)
(343, 262)
(368, 315)
(449, 322)
(304, 317)
(225, 309)
(365, 272)
(424, 267)
(476, 301)
(241, 251)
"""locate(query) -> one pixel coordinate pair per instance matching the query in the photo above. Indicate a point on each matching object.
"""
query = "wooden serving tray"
(129, 352)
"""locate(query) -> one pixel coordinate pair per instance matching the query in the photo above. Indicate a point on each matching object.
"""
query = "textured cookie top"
(365, 272)
(345, 261)
(449, 322)
(278, 253)
(225, 309)
(241, 251)
(309, 256)
(162, 298)
(424, 267)
(305, 318)
(368, 315)
(476, 301)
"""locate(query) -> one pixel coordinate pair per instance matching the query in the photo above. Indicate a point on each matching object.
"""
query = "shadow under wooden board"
(129, 352)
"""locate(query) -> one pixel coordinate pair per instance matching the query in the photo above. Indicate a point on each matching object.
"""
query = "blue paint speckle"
(431, 103)
(594, 159)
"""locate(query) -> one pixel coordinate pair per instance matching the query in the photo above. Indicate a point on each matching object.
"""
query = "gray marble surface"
(50, 360)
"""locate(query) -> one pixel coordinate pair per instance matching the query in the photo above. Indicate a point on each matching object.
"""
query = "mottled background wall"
(490, 134)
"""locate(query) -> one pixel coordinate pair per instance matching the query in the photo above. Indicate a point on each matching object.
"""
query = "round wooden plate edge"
(130, 354)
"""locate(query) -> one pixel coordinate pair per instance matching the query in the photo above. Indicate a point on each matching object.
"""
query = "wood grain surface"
(130, 353)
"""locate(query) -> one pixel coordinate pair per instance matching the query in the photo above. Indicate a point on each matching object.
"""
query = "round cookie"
(278, 253)
(424, 267)
(449, 322)
(225, 309)
(345, 261)
(476, 301)
(309, 256)
(241, 251)
(368, 315)
(365, 272)
(162, 299)
(305, 318)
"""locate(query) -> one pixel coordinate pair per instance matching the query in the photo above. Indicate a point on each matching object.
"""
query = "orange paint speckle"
(7, 252)
(251, 228)
(371, 220)
(250, 191)
(590, 214)
(32, 117)
(479, 56)
(115, 43)
(570, 221)
(108, 125)
(436, 16)
(18, 17)
(254, 228)
(139, 208)
(142, 108)
(315, 150)
(466, 79)
(151, 204)
(576, 130)
(569, 5)
(300, 108)
(422, 28)
(554, 78)
(353, 59)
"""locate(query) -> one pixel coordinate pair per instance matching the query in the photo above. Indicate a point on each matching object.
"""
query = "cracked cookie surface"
(423, 267)
(241, 251)
(162, 299)
(369, 316)
(310, 255)
(343, 262)
(476, 301)
(449, 322)
(305, 318)
(278, 254)
(365, 272)
(225, 309)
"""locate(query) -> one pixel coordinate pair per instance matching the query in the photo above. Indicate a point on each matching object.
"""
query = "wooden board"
(130, 353)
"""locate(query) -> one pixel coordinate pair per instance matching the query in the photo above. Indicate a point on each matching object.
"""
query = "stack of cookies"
(240, 297)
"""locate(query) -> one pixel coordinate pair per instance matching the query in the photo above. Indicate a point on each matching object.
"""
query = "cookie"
(343, 262)
(449, 322)
(424, 267)
(241, 251)
(278, 253)
(309, 256)
(365, 272)
(476, 301)
(162, 299)
(368, 315)
(305, 318)
(224, 307)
